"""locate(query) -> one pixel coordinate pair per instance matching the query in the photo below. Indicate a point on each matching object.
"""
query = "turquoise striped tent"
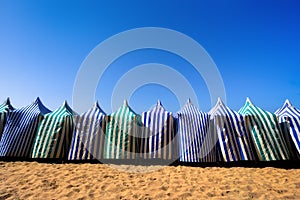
(20, 128)
(4, 109)
(122, 135)
(266, 133)
(195, 140)
(54, 134)
(88, 136)
(289, 119)
(234, 142)
(158, 134)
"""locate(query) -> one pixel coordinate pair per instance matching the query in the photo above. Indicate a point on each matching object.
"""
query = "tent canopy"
(4, 109)
(158, 134)
(54, 134)
(266, 133)
(121, 140)
(20, 129)
(234, 142)
(88, 136)
(289, 119)
(195, 141)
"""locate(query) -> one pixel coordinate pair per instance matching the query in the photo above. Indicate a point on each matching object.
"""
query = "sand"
(32, 180)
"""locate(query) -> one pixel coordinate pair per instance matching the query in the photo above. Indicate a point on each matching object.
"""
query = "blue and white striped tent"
(4, 109)
(289, 119)
(89, 135)
(158, 134)
(20, 128)
(264, 128)
(195, 140)
(234, 142)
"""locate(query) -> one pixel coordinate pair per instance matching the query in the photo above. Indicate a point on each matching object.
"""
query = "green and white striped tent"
(4, 109)
(54, 134)
(122, 135)
(264, 128)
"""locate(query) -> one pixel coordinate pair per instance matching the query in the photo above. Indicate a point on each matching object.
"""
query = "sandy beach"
(32, 180)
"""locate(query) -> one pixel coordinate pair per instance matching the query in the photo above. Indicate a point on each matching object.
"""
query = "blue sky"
(254, 44)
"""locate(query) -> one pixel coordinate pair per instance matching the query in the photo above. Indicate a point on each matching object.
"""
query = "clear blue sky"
(255, 45)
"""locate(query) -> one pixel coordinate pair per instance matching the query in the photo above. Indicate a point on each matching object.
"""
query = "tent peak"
(96, 104)
(159, 103)
(287, 102)
(125, 103)
(220, 102)
(248, 101)
(189, 101)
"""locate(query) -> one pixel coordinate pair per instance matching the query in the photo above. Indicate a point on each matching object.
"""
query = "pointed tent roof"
(288, 110)
(6, 105)
(221, 109)
(43, 109)
(63, 110)
(188, 107)
(246, 109)
(126, 107)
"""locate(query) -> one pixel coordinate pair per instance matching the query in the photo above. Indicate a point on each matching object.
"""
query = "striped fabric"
(121, 140)
(266, 133)
(289, 118)
(158, 134)
(234, 142)
(54, 134)
(88, 136)
(4, 109)
(195, 139)
(20, 128)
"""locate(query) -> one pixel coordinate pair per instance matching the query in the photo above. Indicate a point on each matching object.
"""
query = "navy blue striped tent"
(54, 134)
(264, 128)
(122, 135)
(195, 140)
(289, 119)
(4, 109)
(234, 142)
(88, 136)
(158, 134)
(20, 128)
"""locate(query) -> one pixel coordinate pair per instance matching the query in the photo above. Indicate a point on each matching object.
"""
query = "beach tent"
(233, 141)
(4, 109)
(158, 134)
(20, 128)
(122, 136)
(265, 131)
(54, 134)
(195, 140)
(88, 136)
(289, 119)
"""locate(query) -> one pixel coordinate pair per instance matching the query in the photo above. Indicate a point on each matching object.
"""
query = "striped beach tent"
(4, 109)
(289, 119)
(88, 136)
(233, 141)
(20, 128)
(122, 136)
(265, 131)
(54, 134)
(195, 140)
(158, 134)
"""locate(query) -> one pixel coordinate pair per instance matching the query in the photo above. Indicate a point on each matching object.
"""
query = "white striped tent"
(195, 140)
(4, 109)
(158, 134)
(234, 142)
(54, 134)
(122, 136)
(88, 136)
(20, 128)
(266, 133)
(289, 119)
